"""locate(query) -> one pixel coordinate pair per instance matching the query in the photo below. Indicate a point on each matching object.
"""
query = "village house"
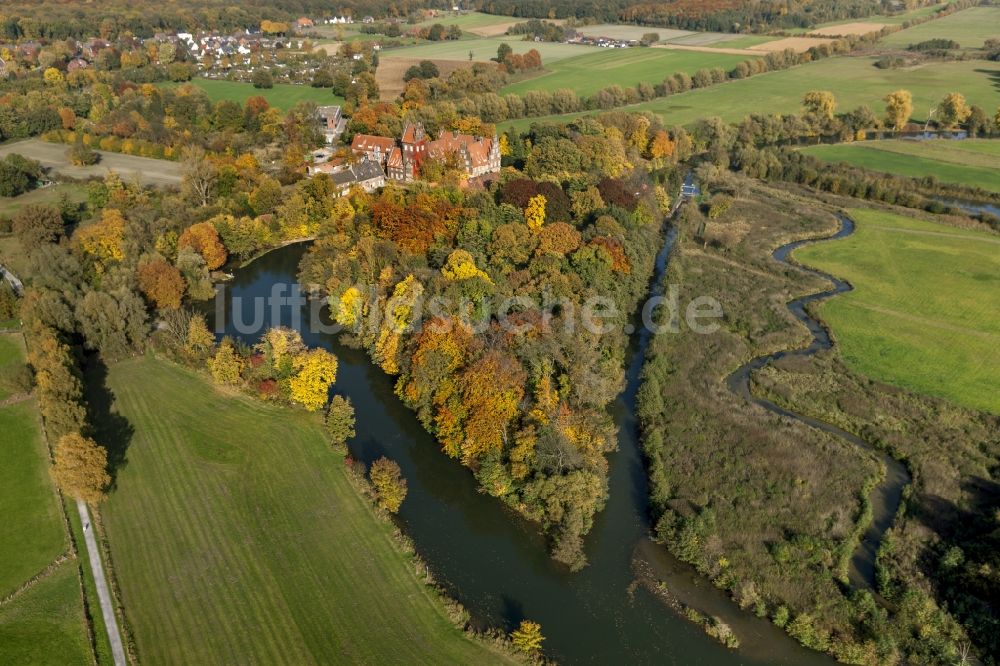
(77, 64)
(303, 23)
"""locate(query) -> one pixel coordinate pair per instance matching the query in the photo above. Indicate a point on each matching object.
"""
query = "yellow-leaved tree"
(79, 467)
(316, 373)
(461, 266)
(528, 637)
(534, 212)
(399, 315)
(226, 366)
(104, 240)
(898, 108)
(389, 484)
(349, 307)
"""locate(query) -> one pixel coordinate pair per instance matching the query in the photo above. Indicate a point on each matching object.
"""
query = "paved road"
(103, 593)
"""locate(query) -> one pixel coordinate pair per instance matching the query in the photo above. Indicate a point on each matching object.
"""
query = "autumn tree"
(534, 212)
(400, 317)
(528, 637)
(57, 381)
(103, 241)
(35, 225)
(558, 238)
(389, 485)
(819, 103)
(316, 373)
(162, 284)
(898, 108)
(204, 239)
(226, 365)
(53, 76)
(340, 421)
(491, 390)
(199, 338)
(461, 266)
(79, 467)
(662, 146)
(80, 154)
(953, 110)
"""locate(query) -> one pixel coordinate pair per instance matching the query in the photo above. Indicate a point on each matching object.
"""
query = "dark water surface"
(494, 562)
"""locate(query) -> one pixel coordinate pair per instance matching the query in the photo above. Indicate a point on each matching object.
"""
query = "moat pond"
(496, 563)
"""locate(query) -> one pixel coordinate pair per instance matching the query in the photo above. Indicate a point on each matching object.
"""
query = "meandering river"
(494, 562)
(887, 495)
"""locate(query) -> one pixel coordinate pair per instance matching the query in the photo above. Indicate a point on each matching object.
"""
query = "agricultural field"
(217, 487)
(886, 19)
(484, 49)
(391, 70)
(586, 74)
(848, 29)
(854, 81)
(973, 162)
(146, 170)
(969, 27)
(925, 310)
(631, 31)
(476, 23)
(43, 624)
(282, 95)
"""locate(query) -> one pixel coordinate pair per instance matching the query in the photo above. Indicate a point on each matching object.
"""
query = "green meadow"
(486, 48)
(586, 74)
(76, 192)
(969, 27)
(853, 80)
(468, 20)
(44, 624)
(237, 537)
(925, 310)
(973, 162)
(282, 95)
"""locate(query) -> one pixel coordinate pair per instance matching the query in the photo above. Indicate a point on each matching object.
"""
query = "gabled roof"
(366, 142)
(410, 133)
(364, 170)
(395, 159)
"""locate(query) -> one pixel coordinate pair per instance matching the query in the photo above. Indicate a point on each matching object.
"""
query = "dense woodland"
(719, 15)
(420, 279)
